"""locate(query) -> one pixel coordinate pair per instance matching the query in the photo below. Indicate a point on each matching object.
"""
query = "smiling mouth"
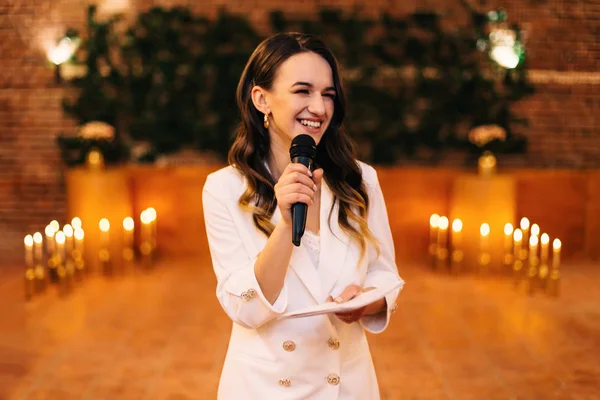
(310, 124)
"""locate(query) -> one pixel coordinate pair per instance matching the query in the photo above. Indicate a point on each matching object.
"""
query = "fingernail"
(315, 187)
(338, 299)
(310, 173)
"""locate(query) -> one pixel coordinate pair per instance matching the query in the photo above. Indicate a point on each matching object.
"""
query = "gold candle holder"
(508, 245)
(442, 242)
(51, 253)
(153, 227)
(433, 238)
(457, 249)
(104, 253)
(484, 251)
(518, 263)
(554, 278)
(532, 272)
(146, 238)
(61, 271)
(544, 270)
(128, 253)
(38, 259)
(29, 271)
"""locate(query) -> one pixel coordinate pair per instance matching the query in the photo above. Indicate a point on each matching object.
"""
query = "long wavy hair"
(335, 152)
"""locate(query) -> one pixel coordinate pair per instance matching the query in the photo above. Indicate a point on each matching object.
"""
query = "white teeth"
(312, 124)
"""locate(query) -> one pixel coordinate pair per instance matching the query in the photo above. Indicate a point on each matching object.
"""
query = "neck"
(279, 157)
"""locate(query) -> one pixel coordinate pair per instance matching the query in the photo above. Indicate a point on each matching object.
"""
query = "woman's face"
(301, 100)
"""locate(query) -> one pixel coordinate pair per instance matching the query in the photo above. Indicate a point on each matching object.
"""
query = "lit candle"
(152, 215)
(508, 244)
(50, 245)
(68, 231)
(533, 246)
(78, 250)
(60, 246)
(442, 242)
(457, 253)
(55, 225)
(556, 246)
(145, 237)
(128, 227)
(38, 247)
(76, 223)
(104, 235)
(544, 242)
(433, 233)
(28, 251)
(524, 224)
(535, 230)
(484, 256)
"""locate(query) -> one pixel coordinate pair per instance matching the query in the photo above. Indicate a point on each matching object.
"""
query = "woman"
(291, 86)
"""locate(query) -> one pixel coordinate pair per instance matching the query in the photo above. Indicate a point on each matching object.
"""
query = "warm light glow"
(484, 230)
(508, 229)
(37, 238)
(433, 220)
(457, 225)
(55, 225)
(443, 223)
(144, 217)
(524, 223)
(79, 234)
(76, 223)
(60, 237)
(68, 230)
(28, 240)
(104, 225)
(535, 230)
(63, 50)
(545, 239)
(533, 240)
(49, 231)
(556, 244)
(518, 235)
(505, 56)
(128, 224)
(151, 213)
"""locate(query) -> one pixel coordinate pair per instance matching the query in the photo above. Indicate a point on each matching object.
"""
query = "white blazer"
(317, 357)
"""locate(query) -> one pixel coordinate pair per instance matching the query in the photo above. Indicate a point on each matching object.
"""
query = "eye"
(303, 91)
(330, 95)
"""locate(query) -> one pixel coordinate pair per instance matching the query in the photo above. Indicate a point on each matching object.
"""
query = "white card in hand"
(359, 301)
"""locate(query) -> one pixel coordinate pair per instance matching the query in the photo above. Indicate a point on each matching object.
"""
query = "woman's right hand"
(296, 185)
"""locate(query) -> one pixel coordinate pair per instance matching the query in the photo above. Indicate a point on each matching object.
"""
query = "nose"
(317, 105)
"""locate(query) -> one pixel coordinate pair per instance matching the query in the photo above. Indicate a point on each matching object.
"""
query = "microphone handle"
(300, 210)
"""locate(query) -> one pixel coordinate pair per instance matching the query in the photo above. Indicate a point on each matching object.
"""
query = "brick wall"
(562, 35)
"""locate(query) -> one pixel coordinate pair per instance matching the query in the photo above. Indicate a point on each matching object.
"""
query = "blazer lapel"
(334, 243)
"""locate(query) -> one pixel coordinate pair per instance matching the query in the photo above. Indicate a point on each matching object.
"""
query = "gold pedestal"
(478, 199)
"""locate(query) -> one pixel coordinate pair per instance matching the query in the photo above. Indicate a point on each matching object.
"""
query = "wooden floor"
(162, 335)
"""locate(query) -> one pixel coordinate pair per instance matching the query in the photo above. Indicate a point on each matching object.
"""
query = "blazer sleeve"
(237, 288)
(382, 269)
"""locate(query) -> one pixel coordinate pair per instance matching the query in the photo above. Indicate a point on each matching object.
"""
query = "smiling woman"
(291, 87)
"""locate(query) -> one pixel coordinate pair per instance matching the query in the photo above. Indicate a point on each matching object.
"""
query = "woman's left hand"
(350, 292)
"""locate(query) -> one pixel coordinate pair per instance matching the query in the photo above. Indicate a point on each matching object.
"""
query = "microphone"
(303, 151)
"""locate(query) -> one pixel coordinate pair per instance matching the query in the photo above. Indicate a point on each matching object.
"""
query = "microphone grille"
(303, 145)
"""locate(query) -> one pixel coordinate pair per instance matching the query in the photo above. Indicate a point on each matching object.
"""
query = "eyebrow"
(310, 85)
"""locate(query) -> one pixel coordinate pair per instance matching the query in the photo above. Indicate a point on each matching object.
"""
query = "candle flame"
(457, 225)
(518, 235)
(524, 223)
(128, 224)
(556, 244)
(433, 220)
(37, 238)
(508, 229)
(443, 222)
(76, 223)
(484, 230)
(68, 230)
(55, 225)
(535, 230)
(79, 234)
(151, 213)
(28, 240)
(545, 239)
(533, 241)
(60, 237)
(104, 225)
(49, 231)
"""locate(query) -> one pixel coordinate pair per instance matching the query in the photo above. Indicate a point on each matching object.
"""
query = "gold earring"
(266, 123)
